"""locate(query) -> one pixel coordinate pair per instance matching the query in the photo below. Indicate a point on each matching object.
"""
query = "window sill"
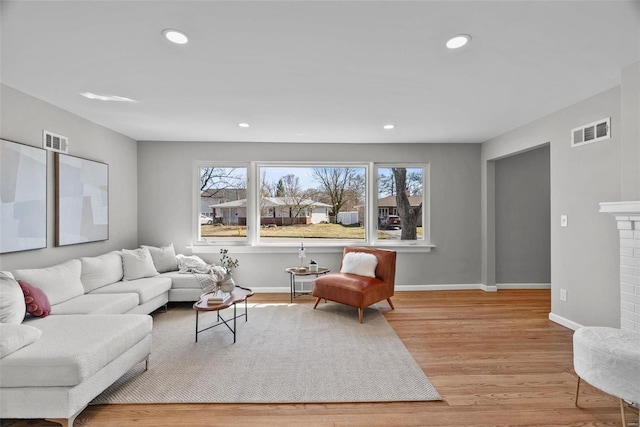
(289, 248)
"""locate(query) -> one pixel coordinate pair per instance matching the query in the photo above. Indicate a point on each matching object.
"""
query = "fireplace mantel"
(620, 208)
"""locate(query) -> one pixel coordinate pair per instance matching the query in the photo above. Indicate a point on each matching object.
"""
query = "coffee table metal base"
(238, 294)
(222, 321)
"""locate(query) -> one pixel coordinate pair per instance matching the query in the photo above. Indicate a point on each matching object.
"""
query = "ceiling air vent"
(596, 131)
(54, 142)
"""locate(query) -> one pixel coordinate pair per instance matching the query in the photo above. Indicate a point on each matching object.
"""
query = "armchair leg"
(317, 301)
(624, 419)
(390, 303)
(360, 314)
(577, 391)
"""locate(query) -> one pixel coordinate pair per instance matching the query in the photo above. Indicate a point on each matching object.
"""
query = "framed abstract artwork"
(82, 200)
(23, 197)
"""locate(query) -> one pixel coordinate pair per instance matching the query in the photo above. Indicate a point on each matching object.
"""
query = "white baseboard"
(444, 287)
(398, 288)
(435, 287)
(523, 285)
(271, 289)
(564, 322)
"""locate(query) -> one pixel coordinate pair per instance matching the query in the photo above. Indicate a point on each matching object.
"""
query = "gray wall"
(630, 132)
(522, 212)
(584, 255)
(166, 171)
(22, 120)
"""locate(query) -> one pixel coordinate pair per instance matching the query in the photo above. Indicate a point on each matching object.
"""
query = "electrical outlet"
(563, 295)
(564, 221)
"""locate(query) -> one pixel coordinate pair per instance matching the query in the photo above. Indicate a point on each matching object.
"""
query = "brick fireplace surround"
(627, 216)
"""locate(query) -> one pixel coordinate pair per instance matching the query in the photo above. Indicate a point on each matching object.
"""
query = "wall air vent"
(54, 142)
(596, 131)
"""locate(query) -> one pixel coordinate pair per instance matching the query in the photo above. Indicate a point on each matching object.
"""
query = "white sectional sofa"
(98, 328)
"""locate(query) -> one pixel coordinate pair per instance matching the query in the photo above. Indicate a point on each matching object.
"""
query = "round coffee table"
(239, 294)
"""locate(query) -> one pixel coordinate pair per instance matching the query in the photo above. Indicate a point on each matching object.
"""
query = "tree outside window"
(400, 202)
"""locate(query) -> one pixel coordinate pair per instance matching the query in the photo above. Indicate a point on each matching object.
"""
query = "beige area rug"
(284, 354)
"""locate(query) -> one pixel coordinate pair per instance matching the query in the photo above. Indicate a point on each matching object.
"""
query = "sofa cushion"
(72, 348)
(12, 306)
(14, 337)
(35, 300)
(60, 282)
(182, 280)
(360, 263)
(137, 264)
(98, 304)
(146, 289)
(164, 258)
(101, 270)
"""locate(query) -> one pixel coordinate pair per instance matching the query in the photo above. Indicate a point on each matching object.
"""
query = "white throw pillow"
(360, 263)
(137, 264)
(164, 257)
(14, 337)
(60, 283)
(12, 306)
(101, 270)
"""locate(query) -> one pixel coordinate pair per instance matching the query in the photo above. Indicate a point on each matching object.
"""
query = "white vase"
(228, 284)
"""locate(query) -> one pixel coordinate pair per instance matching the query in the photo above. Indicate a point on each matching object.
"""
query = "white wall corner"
(489, 288)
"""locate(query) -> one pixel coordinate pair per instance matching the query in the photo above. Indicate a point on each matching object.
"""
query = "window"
(400, 202)
(312, 202)
(222, 194)
(320, 204)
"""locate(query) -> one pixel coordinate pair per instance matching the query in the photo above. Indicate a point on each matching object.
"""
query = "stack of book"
(218, 297)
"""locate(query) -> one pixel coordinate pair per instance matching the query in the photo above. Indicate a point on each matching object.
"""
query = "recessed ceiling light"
(389, 126)
(243, 125)
(98, 97)
(458, 41)
(175, 36)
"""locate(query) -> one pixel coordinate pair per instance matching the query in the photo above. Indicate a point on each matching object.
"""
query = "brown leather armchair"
(359, 291)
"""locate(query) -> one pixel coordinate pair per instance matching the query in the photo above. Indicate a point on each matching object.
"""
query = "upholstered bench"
(608, 359)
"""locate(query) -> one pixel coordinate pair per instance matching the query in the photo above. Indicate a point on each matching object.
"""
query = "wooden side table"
(295, 272)
(238, 294)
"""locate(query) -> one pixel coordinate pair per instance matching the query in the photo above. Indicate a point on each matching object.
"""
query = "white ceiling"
(317, 71)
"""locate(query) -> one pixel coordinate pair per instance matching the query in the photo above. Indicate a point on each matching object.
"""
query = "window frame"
(426, 195)
(253, 240)
(196, 229)
(309, 241)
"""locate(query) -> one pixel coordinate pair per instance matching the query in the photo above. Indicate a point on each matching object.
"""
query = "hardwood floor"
(495, 358)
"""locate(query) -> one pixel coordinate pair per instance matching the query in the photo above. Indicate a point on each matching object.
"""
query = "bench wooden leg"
(317, 301)
(390, 303)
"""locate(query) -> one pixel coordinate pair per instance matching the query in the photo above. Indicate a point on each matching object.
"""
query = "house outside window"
(220, 189)
(307, 200)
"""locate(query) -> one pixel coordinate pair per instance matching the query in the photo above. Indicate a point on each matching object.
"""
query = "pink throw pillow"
(35, 299)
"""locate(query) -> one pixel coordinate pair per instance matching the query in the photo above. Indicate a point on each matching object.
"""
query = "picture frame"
(23, 197)
(81, 200)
